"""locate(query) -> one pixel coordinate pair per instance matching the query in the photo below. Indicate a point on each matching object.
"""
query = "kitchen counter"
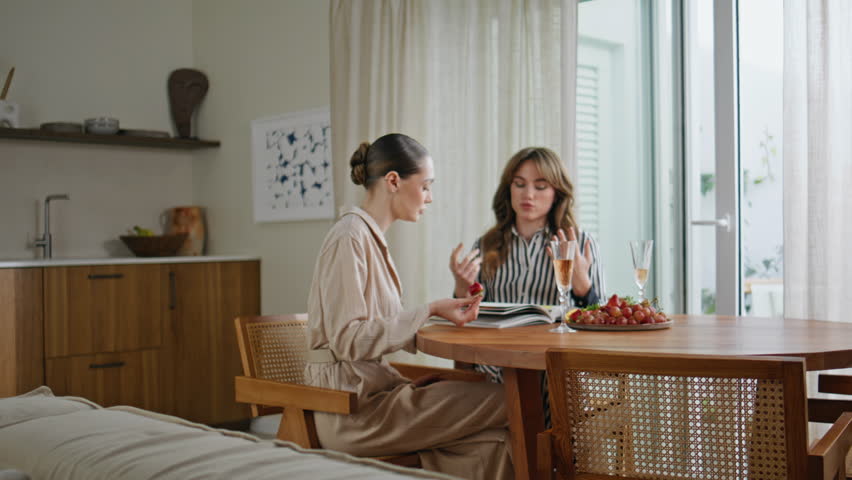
(73, 262)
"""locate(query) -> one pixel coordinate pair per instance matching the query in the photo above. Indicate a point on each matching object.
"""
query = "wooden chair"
(825, 410)
(683, 416)
(273, 352)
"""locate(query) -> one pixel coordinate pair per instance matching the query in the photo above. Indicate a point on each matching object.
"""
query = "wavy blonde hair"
(495, 243)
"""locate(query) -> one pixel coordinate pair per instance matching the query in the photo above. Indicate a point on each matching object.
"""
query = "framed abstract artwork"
(291, 160)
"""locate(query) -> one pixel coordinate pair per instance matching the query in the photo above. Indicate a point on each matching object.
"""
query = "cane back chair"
(683, 416)
(273, 350)
(828, 410)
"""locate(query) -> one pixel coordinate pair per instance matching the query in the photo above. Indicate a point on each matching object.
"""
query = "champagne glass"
(563, 267)
(641, 251)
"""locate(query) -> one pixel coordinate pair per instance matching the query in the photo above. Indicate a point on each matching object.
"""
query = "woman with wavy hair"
(533, 204)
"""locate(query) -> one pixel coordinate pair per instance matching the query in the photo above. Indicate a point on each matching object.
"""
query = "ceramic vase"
(9, 114)
(189, 220)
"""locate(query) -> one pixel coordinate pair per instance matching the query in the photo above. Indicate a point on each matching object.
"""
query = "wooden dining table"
(521, 353)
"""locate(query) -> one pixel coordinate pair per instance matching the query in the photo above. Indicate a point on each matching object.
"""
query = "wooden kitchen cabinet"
(200, 356)
(21, 330)
(102, 308)
(156, 336)
(121, 378)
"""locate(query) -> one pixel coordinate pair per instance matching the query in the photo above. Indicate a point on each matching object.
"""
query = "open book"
(505, 315)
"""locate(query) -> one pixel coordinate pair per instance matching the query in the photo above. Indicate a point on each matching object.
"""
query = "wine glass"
(641, 251)
(563, 267)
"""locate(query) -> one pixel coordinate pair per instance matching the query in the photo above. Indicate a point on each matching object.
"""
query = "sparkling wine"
(563, 269)
(641, 276)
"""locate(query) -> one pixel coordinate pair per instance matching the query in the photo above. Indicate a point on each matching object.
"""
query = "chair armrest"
(827, 457)
(412, 372)
(841, 384)
(280, 394)
(823, 410)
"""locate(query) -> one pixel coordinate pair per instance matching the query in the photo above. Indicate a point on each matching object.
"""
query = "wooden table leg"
(526, 418)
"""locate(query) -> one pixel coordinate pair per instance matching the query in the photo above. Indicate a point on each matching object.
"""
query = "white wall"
(75, 60)
(263, 58)
(111, 190)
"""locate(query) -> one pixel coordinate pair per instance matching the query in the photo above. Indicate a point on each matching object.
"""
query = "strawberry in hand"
(476, 289)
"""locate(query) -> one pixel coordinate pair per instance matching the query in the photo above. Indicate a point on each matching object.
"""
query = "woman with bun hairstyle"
(533, 204)
(355, 316)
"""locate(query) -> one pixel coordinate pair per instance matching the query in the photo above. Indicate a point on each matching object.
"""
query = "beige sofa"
(48, 437)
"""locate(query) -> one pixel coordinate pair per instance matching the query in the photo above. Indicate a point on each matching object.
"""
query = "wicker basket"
(154, 246)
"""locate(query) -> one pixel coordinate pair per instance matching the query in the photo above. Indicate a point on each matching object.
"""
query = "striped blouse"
(527, 277)
(527, 274)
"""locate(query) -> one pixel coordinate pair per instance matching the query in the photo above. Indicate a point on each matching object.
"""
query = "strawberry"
(476, 289)
(613, 301)
(575, 315)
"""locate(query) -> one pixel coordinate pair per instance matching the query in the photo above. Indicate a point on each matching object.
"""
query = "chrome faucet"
(46, 240)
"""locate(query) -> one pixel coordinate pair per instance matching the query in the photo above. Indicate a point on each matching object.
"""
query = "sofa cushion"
(39, 403)
(129, 443)
(13, 475)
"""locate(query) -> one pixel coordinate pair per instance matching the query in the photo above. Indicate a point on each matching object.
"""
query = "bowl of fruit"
(619, 314)
(143, 243)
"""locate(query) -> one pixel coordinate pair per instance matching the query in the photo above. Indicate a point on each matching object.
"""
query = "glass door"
(761, 60)
(732, 113)
(712, 126)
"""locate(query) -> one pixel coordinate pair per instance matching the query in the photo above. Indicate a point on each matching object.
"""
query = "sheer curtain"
(817, 159)
(474, 81)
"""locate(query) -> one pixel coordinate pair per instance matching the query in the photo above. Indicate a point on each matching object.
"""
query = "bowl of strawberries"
(620, 314)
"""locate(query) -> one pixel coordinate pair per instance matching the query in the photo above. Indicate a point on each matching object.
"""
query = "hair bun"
(358, 163)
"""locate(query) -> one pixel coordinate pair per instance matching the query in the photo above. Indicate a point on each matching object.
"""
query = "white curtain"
(474, 81)
(817, 159)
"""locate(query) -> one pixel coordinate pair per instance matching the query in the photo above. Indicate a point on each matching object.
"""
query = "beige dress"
(354, 309)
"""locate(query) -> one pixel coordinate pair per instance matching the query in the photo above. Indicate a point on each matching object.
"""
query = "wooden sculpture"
(187, 88)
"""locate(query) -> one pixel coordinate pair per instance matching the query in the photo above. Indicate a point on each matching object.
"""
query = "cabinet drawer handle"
(172, 291)
(106, 365)
(105, 276)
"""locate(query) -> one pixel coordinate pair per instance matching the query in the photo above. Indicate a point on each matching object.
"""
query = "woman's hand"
(464, 270)
(457, 310)
(580, 281)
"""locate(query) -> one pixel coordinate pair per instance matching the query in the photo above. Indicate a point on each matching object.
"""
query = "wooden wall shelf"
(125, 140)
